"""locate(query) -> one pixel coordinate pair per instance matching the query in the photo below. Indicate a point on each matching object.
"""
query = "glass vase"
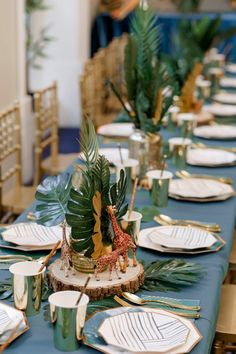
(147, 149)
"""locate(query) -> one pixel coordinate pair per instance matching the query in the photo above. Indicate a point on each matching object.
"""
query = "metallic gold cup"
(178, 148)
(130, 166)
(218, 60)
(159, 186)
(203, 89)
(67, 318)
(172, 117)
(215, 74)
(187, 122)
(132, 225)
(27, 286)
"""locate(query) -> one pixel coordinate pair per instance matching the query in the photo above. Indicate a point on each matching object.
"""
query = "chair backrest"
(10, 146)
(46, 115)
(92, 89)
(97, 100)
(114, 65)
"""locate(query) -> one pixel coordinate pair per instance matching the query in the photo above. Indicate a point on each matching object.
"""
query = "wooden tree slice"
(96, 290)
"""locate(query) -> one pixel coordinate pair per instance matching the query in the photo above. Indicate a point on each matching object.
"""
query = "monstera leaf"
(52, 196)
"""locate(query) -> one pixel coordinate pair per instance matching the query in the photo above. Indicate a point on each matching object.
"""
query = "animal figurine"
(109, 260)
(122, 241)
(66, 259)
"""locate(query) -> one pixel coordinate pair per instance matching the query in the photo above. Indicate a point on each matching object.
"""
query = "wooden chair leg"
(218, 347)
(227, 279)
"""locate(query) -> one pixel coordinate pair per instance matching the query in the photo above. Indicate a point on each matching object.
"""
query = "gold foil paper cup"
(27, 286)
(132, 225)
(68, 319)
(159, 186)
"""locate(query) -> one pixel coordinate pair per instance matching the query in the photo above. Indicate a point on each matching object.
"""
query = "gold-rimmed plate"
(145, 242)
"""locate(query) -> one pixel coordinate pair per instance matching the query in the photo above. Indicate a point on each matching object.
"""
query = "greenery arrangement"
(84, 208)
(87, 215)
(150, 89)
(201, 35)
(171, 275)
(36, 47)
(187, 5)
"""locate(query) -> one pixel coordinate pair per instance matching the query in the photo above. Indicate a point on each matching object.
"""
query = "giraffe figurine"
(109, 260)
(66, 259)
(122, 241)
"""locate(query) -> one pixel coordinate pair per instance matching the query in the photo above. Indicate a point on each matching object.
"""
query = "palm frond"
(171, 275)
(89, 143)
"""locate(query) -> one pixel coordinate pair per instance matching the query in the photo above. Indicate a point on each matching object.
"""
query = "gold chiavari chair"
(114, 65)
(226, 322)
(14, 197)
(46, 115)
(97, 99)
(93, 90)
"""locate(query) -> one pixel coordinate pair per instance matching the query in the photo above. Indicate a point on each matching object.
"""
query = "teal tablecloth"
(38, 339)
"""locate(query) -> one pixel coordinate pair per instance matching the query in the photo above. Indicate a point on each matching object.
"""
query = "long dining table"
(39, 338)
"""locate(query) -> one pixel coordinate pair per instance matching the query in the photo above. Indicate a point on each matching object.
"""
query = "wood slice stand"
(96, 290)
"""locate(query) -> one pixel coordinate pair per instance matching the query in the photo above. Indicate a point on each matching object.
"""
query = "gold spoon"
(185, 174)
(135, 299)
(167, 220)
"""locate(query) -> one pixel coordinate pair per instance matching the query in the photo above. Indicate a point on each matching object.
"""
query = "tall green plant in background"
(150, 88)
(36, 47)
(193, 39)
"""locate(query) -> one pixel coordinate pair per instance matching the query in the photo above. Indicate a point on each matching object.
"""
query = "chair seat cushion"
(18, 199)
(63, 161)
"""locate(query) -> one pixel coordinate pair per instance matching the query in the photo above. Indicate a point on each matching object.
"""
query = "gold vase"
(155, 151)
(84, 264)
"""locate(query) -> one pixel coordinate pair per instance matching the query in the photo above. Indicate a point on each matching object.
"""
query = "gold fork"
(126, 304)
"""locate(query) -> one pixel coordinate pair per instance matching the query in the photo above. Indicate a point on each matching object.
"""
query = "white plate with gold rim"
(112, 154)
(92, 339)
(199, 188)
(145, 242)
(210, 157)
(116, 130)
(144, 332)
(182, 237)
(228, 82)
(9, 319)
(225, 98)
(216, 131)
(231, 68)
(221, 110)
(32, 235)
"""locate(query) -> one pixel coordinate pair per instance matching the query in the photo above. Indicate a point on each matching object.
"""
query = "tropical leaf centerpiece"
(91, 232)
(150, 89)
